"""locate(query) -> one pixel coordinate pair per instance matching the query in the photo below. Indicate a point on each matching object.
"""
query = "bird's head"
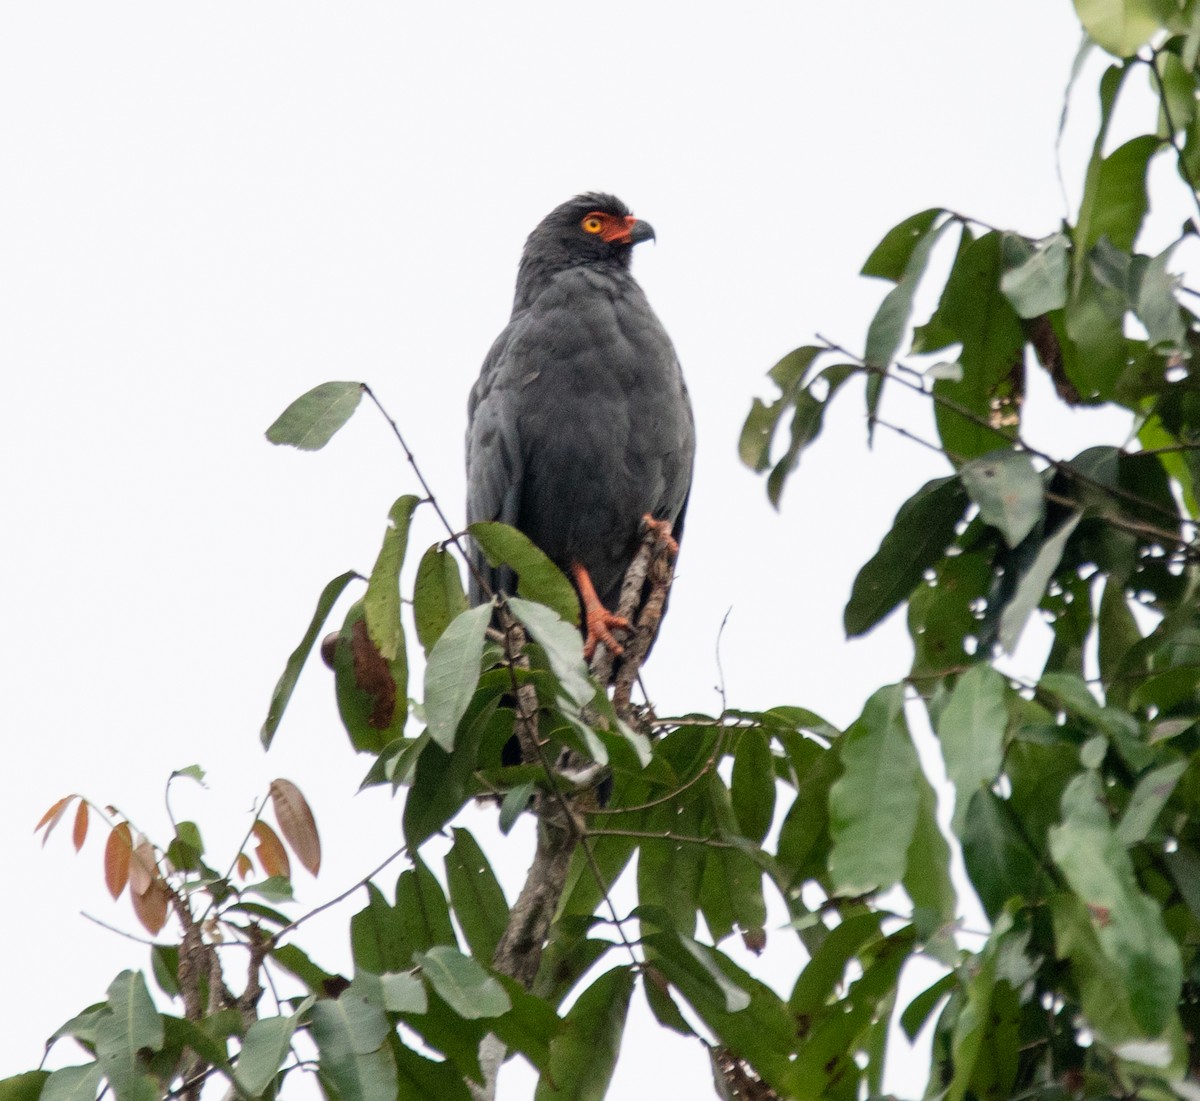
(589, 229)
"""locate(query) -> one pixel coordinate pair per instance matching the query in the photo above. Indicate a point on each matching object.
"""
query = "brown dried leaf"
(244, 866)
(51, 817)
(295, 819)
(117, 851)
(271, 853)
(373, 675)
(79, 832)
(150, 905)
(143, 869)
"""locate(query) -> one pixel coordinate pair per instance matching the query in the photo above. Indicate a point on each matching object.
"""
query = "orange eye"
(593, 223)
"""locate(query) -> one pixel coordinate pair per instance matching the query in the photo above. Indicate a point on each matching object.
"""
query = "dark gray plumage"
(580, 423)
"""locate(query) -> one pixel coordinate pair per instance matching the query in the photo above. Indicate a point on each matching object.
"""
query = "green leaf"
(310, 422)
(478, 901)
(1008, 491)
(923, 529)
(350, 1035)
(371, 691)
(291, 672)
(826, 969)
(563, 646)
(927, 873)
(873, 805)
(66, 1084)
(890, 322)
(971, 730)
(1157, 306)
(264, 1049)
(437, 595)
(1147, 801)
(753, 784)
(529, 1027)
(131, 1024)
(453, 672)
(381, 604)
(1035, 274)
(1121, 27)
(891, 256)
(979, 316)
(918, 1011)
(516, 803)
(583, 1056)
(1032, 586)
(377, 937)
(395, 991)
(538, 579)
(462, 983)
(1131, 932)
(421, 906)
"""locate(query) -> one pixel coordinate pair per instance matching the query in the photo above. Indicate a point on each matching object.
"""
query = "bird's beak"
(631, 232)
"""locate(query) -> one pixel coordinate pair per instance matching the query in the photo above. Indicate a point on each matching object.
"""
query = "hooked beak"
(632, 232)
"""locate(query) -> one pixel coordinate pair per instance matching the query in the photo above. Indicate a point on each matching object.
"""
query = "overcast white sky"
(207, 209)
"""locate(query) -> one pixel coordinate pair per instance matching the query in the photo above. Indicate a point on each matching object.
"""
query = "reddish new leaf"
(244, 866)
(271, 853)
(143, 868)
(79, 832)
(117, 852)
(51, 817)
(150, 906)
(295, 819)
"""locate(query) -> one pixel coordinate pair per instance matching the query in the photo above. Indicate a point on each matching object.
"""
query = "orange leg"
(662, 529)
(600, 621)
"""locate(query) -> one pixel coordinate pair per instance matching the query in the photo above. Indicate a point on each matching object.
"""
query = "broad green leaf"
(381, 604)
(395, 991)
(927, 875)
(753, 784)
(1121, 27)
(529, 1027)
(971, 731)
(310, 422)
(1008, 491)
(478, 901)
(1032, 586)
(371, 692)
(873, 805)
(1035, 274)
(562, 644)
(422, 909)
(437, 595)
(736, 997)
(1148, 799)
(826, 970)
(131, 1024)
(462, 983)
(1118, 632)
(538, 579)
(378, 940)
(1131, 932)
(891, 256)
(453, 672)
(291, 671)
(890, 322)
(422, 1079)
(583, 1056)
(999, 861)
(918, 1011)
(978, 413)
(264, 1049)
(1157, 306)
(350, 1035)
(65, 1084)
(670, 873)
(923, 529)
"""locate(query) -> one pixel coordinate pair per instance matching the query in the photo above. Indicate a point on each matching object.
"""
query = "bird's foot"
(662, 530)
(599, 621)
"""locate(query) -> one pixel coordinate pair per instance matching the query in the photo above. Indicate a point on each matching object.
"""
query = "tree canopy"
(1075, 787)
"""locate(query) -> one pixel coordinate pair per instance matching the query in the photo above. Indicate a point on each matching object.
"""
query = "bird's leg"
(599, 620)
(662, 529)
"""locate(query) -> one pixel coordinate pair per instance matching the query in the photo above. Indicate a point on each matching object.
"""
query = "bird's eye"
(593, 223)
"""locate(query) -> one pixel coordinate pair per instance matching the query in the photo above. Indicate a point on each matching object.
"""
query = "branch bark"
(561, 826)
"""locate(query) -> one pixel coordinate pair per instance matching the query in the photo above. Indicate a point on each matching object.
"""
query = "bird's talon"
(600, 626)
(662, 531)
